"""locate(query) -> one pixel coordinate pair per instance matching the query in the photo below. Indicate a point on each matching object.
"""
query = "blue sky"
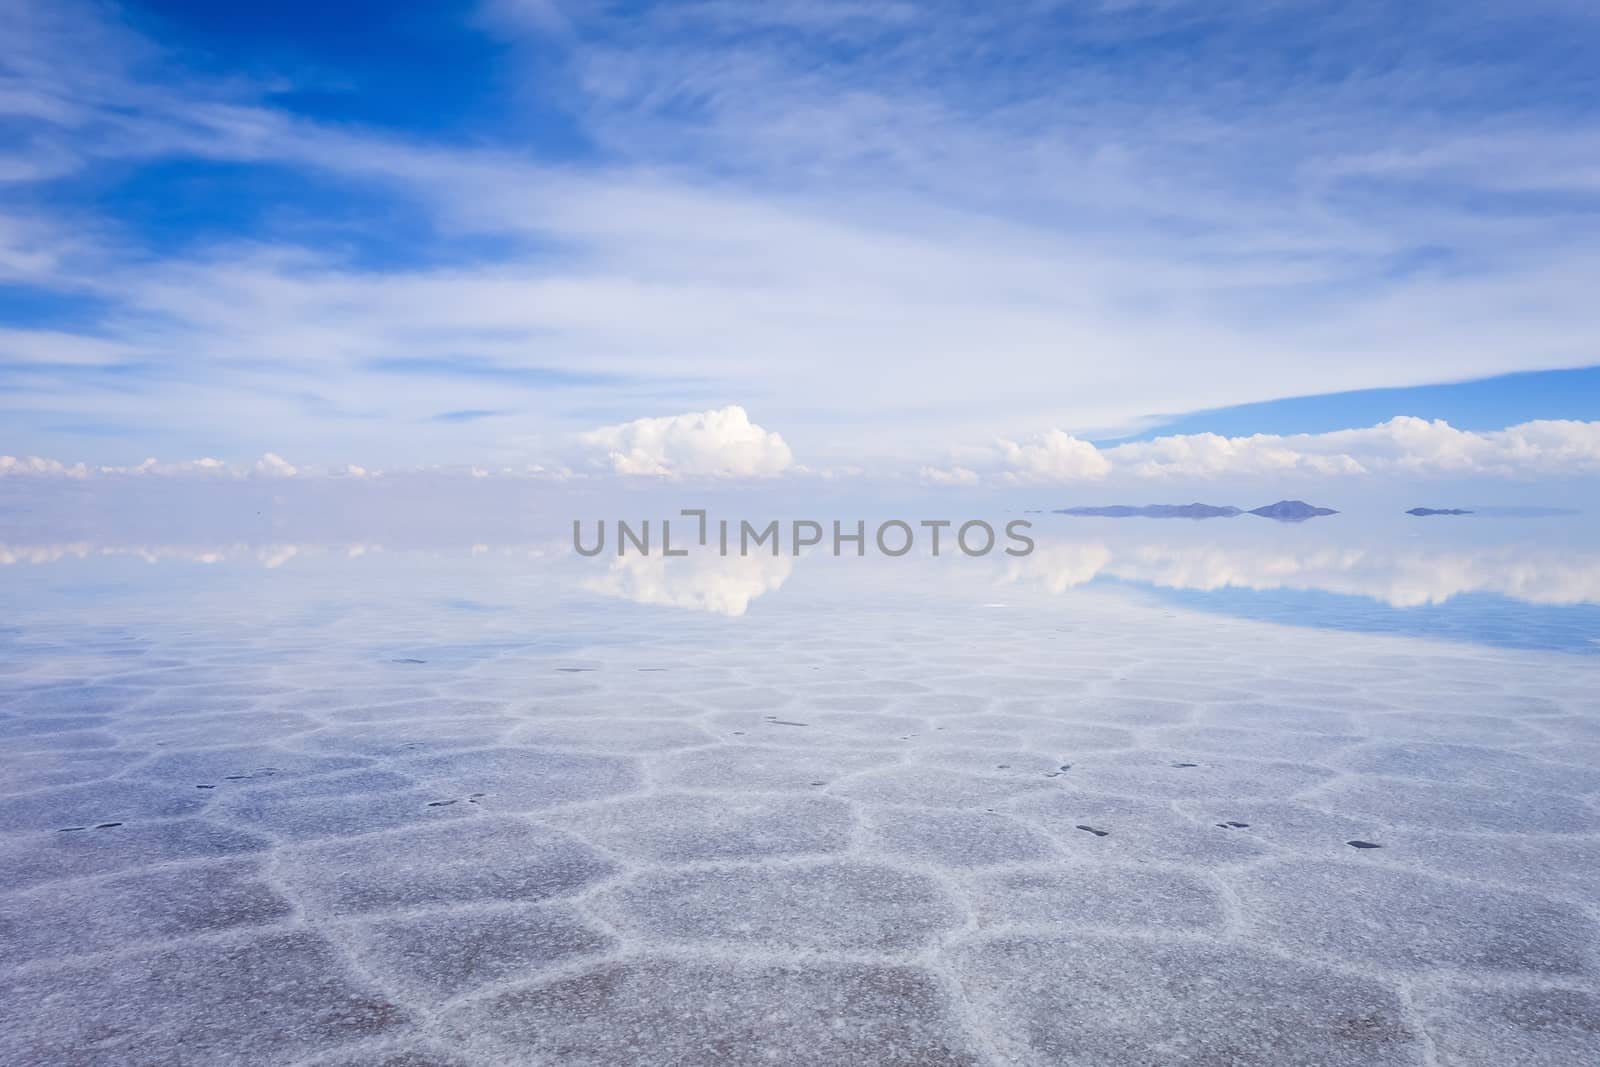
(1483, 404)
(905, 237)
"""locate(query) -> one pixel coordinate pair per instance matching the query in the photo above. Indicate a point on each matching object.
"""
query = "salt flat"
(286, 824)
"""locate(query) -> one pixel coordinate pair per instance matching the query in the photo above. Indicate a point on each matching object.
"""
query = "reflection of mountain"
(1282, 511)
(1400, 576)
(1156, 511)
(722, 585)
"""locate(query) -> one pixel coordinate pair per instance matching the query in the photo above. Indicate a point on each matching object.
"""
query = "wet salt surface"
(301, 818)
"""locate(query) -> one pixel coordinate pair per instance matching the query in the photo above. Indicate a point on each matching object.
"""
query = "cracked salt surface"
(260, 829)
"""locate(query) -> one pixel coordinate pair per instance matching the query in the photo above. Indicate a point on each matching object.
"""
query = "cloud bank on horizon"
(920, 239)
(725, 444)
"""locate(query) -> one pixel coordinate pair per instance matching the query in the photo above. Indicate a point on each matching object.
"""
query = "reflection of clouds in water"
(1059, 567)
(269, 556)
(278, 556)
(37, 554)
(1401, 574)
(1399, 577)
(723, 585)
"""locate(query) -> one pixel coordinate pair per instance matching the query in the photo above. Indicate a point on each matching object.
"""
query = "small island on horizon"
(1438, 511)
(1282, 511)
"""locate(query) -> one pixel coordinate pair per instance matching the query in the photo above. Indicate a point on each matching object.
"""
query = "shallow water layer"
(366, 808)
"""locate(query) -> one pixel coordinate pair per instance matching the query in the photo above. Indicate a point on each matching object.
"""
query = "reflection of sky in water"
(723, 586)
(1400, 576)
(1529, 583)
(1485, 618)
(860, 768)
(1467, 600)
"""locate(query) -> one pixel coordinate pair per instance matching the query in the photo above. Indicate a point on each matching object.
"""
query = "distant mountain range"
(1282, 511)
(1438, 511)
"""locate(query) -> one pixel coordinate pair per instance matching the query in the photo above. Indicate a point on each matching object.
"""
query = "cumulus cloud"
(723, 443)
(270, 465)
(949, 476)
(34, 465)
(205, 465)
(741, 245)
(1053, 457)
(1207, 455)
(1401, 446)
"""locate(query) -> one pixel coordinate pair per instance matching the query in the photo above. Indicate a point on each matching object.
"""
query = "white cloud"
(34, 465)
(1401, 446)
(1208, 455)
(723, 443)
(1053, 457)
(923, 256)
(272, 465)
(205, 465)
(949, 476)
(269, 465)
